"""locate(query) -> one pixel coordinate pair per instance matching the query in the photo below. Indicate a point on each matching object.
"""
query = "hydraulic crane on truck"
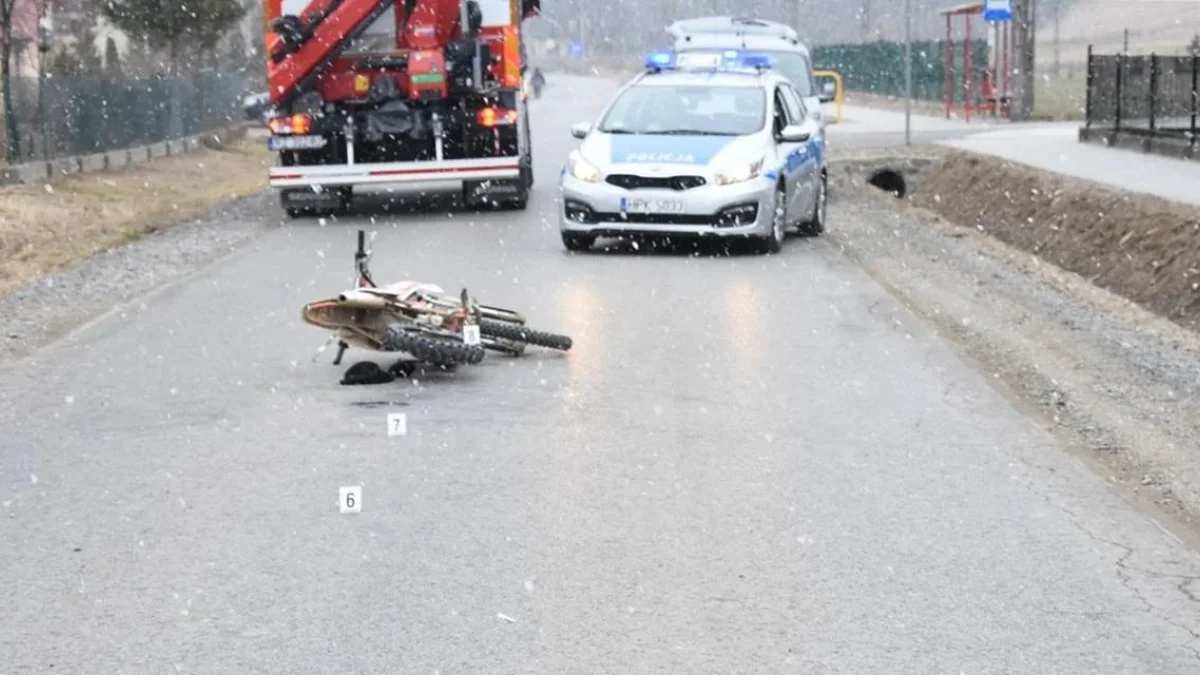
(421, 96)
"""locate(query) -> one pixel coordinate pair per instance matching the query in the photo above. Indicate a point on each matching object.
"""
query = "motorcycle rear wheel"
(501, 314)
(437, 350)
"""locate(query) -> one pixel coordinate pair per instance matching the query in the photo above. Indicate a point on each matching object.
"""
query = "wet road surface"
(745, 465)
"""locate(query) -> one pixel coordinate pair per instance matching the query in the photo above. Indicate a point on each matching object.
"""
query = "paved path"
(1057, 148)
(1051, 146)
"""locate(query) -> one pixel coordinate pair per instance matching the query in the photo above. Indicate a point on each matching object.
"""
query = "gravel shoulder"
(52, 226)
(80, 245)
(54, 305)
(1116, 382)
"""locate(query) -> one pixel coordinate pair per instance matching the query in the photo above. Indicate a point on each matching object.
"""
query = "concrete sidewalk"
(1050, 146)
(1056, 147)
(859, 119)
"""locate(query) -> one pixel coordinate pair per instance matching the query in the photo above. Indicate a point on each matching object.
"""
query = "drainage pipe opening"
(891, 182)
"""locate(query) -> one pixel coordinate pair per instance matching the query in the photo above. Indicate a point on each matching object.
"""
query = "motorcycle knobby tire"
(520, 333)
(437, 351)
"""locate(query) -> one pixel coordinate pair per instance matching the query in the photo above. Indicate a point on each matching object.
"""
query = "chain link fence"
(878, 67)
(63, 116)
(1153, 95)
(875, 68)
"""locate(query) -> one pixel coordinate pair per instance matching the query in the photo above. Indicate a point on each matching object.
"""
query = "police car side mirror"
(828, 92)
(796, 133)
(581, 129)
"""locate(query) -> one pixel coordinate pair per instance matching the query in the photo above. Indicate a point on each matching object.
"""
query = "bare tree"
(12, 146)
(864, 19)
(1025, 26)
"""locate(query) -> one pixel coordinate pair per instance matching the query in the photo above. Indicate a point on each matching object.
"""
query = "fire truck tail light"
(494, 117)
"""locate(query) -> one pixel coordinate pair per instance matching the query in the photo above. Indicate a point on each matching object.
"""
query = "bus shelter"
(991, 95)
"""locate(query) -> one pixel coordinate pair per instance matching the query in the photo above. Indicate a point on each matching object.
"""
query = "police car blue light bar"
(755, 61)
(699, 60)
(660, 60)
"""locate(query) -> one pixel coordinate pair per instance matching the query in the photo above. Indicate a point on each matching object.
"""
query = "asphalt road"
(746, 465)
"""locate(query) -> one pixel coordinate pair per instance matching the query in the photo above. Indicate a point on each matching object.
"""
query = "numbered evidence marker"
(471, 335)
(350, 499)
(397, 424)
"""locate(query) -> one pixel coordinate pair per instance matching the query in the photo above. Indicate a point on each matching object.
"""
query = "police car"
(698, 145)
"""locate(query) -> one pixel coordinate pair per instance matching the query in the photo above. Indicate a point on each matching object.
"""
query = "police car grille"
(632, 182)
(654, 218)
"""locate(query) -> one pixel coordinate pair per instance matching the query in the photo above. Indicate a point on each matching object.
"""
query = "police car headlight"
(740, 173)
(581, 170)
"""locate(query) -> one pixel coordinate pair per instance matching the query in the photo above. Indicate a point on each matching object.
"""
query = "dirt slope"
(1144, 248)
(50, 227)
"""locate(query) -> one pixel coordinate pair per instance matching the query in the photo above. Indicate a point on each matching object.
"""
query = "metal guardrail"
(839, 90)
(1149, 95)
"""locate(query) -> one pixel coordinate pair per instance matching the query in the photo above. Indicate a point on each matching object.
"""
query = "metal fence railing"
(80, 115)
(1145, 94)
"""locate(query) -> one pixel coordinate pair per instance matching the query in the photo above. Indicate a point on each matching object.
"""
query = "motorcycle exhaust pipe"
(360, 300)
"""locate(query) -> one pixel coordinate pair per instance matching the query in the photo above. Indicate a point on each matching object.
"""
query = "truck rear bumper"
(420, 175)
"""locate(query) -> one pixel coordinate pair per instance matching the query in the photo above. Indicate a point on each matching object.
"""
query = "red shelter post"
(1004, 46)
(967, 11)
(949, 66)
(968, 76)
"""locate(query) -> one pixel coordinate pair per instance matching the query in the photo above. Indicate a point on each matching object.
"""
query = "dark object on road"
(891, 182)
(538, 81)
(422, 321)
(366, 372)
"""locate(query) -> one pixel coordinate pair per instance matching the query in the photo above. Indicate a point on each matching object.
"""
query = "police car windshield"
(795, 67)
(687, 110)
(792, 65)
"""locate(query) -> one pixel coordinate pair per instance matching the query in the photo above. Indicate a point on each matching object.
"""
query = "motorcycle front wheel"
(520, 333)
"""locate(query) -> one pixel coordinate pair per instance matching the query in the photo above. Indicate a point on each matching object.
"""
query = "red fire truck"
(416, 96)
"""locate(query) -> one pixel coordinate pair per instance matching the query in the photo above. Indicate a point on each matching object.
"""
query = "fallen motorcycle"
(421, 320)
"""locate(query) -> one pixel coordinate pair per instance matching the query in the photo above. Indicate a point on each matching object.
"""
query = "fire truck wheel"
(345, 205)
(345, 200)
(528, 150)
(519, 202)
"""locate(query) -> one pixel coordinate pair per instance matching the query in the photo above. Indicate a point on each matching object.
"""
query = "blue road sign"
(997, 10)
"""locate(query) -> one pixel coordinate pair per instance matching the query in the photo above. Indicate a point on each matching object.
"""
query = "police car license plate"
(276, 143)
(652, 206)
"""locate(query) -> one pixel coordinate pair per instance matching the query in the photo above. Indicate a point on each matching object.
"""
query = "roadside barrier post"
(1153, 90)
(1120, 72)
(1091, 82)
(839, 89)
(1195, 96)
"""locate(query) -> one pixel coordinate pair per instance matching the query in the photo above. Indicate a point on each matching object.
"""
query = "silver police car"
(698, 147)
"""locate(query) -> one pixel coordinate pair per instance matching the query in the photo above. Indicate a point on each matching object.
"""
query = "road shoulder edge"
(1074, 356)
(56, 306)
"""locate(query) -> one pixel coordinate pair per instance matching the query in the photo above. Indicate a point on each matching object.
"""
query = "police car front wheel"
(772, 241)
(814, 225)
